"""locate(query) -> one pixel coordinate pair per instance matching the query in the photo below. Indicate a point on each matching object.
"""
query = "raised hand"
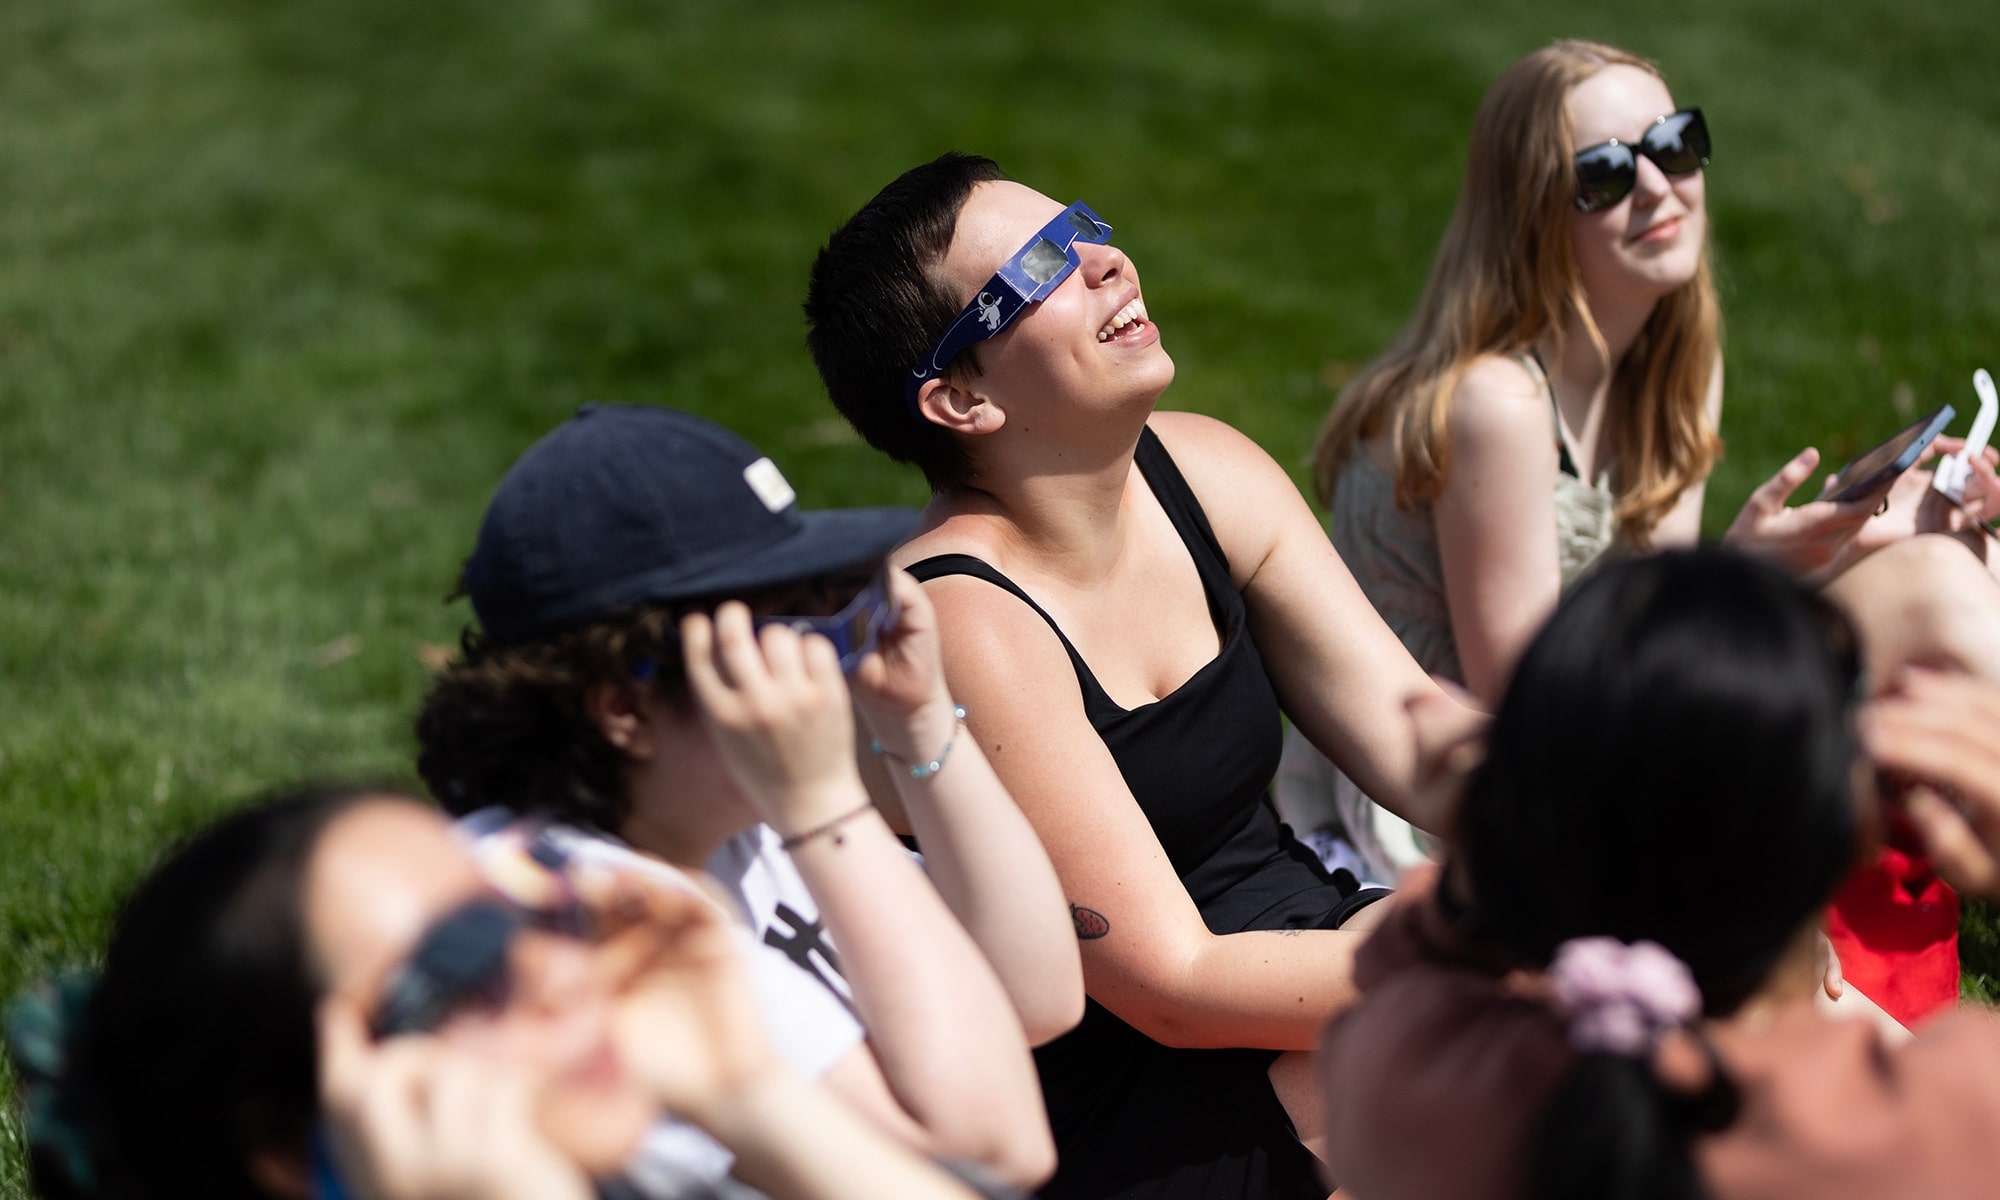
(1915, 507)
(899, 687)
(1814, 537)
(413, 1118)
(687, 1022)
(778, 709)
(1939, 730)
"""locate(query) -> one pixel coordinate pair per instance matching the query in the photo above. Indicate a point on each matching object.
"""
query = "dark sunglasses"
(858, 627)
(1034, 271)
(463, 961)
(1605, 173)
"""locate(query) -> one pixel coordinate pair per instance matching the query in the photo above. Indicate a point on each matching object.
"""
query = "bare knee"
(1925, 601)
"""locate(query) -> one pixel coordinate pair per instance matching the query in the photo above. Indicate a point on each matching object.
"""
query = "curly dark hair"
(506, 722)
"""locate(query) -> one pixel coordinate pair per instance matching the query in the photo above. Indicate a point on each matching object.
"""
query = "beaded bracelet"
(794, 841)
(927, 769)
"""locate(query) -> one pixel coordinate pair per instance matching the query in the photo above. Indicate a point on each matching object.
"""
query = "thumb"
(343, 1047)
(1774, 491)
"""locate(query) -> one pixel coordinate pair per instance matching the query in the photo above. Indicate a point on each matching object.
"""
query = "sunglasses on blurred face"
(1605, 173)
(1035, 270)
(464, 960)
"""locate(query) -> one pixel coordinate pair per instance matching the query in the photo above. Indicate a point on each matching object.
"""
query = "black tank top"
(1132, 1117)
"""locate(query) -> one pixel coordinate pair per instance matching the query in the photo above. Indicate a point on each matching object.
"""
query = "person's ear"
(958, 408)
(623, 716)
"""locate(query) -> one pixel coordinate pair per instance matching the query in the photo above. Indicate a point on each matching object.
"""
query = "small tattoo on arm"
(1090, 924)
(1288, 932)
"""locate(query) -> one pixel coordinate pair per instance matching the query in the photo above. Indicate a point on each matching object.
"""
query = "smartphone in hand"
(1874, 473)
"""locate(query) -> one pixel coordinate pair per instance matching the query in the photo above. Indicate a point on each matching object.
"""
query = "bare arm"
(1147, 955)
(1496, 521)
(1343, 677)
(794, 1141)
(781, 715)
(978, 849)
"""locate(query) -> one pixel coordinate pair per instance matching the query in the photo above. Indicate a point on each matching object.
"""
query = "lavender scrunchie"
(1619, 999)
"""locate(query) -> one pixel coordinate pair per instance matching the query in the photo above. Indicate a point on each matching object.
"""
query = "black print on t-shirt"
(805, 939)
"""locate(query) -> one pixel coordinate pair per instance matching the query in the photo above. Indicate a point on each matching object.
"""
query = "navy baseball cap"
(624, 505)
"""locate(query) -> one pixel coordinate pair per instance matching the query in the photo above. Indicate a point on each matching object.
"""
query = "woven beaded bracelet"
(925, 770)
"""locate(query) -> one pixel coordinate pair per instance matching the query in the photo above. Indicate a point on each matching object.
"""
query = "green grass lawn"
(283, 289)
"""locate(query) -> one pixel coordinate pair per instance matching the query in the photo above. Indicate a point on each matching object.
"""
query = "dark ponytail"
(1671, 763)
(1614, 1131)
(195, 1046)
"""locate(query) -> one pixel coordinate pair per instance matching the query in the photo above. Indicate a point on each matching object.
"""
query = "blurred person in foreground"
(322, 996)
(1607, 990)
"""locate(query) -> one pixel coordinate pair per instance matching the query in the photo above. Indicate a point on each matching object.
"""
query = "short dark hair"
(197, 1045)
(875, 304)
(506, 723)
(1672, 762)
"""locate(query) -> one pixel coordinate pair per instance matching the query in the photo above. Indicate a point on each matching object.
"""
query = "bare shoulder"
(992, 638)
(1225, 468)
(1500, 403)
(1251, 504)
(1202, 446)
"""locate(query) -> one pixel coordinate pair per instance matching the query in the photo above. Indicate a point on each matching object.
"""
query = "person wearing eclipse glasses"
(669, 655)
(1556, 398)
(1128, 599)
(321, 996)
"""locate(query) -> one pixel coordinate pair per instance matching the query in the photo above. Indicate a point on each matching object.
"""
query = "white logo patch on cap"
(769, 483)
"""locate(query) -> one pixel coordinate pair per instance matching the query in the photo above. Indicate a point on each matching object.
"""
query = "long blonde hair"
(1503, 278)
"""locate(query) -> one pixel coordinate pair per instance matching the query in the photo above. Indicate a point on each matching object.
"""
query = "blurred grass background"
(285, 287)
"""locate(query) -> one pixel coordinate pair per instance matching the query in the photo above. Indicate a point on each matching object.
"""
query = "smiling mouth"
(1660, 232)
(1124, 320)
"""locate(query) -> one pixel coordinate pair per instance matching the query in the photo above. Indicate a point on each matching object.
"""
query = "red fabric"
(1894, 924)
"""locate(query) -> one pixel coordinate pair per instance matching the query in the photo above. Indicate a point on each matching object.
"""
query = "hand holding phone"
(1872, 474)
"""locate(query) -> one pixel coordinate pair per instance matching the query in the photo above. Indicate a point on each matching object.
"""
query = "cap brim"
(825, 541)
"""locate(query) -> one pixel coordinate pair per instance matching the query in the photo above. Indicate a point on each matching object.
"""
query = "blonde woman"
(1563, 372)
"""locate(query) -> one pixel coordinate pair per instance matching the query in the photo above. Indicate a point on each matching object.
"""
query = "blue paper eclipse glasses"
(855, 630)
(857, 627)
(1034, 271)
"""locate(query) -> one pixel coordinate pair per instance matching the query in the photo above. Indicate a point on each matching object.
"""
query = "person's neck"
(1063, 507)
(1618, 322)
(667, 832)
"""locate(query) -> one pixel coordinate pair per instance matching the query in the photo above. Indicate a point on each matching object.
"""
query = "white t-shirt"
(793, 968)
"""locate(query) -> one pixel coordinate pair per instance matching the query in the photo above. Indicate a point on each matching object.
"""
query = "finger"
(1834, 519)
(698, 650)
(457, 1087)
(1929, 734)
(783, 658)
(1832, 978)
(343, 1049)
(820, 664)
(738, 656)
(1954, 848)
(390, 1119)
(914, 611)
(1773, 492)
